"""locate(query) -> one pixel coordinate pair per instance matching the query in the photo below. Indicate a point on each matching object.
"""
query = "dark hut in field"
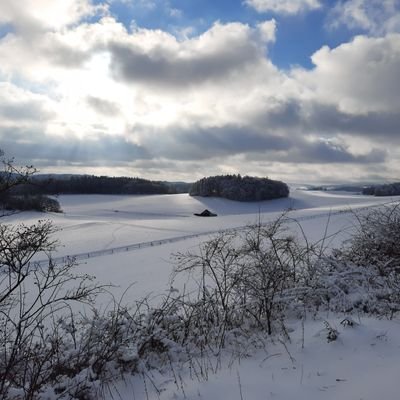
(206, 213)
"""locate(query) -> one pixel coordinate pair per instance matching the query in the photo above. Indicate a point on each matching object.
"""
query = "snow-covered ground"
(361, 364)
(98, 222)
(115, 227)
(112, 226)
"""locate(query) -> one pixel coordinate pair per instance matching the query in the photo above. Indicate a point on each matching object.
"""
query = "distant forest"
(21, 189)
(89, 184)
(32, 193)
(390, 189)
(236, 187)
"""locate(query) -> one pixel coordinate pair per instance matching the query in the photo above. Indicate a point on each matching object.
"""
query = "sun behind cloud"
(79, 72)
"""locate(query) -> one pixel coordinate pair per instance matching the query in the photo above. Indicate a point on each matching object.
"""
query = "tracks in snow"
(137, 246)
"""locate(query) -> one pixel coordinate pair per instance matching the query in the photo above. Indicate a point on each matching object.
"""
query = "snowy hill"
(127, 242)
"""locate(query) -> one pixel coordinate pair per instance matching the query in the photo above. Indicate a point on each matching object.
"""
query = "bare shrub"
(31, 297)
(246, 280)
(364, 274)
(36, 202)
(276, 266)
(12, 181)
(377, 239)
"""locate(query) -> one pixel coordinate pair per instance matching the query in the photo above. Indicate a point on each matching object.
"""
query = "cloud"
(97, 94)
(267, 30)
(31, 146)
(375, 126)
(20, 105)
(315, 117)
(377, 17)
(33, 16)
(202, 143)
(211, 143)
(359, 77)
(144, 56)
(158, 58)
(53, 55)
(102, 106)
(328, 152)
(175, 12)
(283, 6)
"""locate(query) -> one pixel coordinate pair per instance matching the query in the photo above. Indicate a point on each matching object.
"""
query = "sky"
(299, 90)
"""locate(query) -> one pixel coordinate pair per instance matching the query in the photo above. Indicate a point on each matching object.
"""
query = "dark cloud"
(325, 152)
(202, 144)
(66, 56)
(305, 117)
(285, 115)
(156, 167)
(162, 67)
(24, 111)
(328, 118)
(102, 106)
(318, 152)
(196, 143)
(185, 152)
(155, 164)
(34, 147)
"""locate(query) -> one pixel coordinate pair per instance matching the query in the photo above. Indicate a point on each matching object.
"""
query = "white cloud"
(213, 96)
(158, 59)
(283, 6)
(358, 77)
(175, 12)
(377, 17)
(54, 56)
(39, 15)
(268, 30)
(22, 107)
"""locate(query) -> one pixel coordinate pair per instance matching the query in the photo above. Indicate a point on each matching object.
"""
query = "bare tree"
(11, 177)
(31, 296)
(248, 278)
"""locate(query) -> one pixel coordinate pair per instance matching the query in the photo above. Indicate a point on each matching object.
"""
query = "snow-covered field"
(136, 235)
(100, 222)
(361, 364)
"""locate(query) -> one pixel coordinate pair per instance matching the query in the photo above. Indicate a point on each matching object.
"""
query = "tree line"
(390, 189)
(21, 189)
(236, 187)
(91, 184)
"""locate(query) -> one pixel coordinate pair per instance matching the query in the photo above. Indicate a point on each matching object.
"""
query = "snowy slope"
(98, 222)
(361, 364)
